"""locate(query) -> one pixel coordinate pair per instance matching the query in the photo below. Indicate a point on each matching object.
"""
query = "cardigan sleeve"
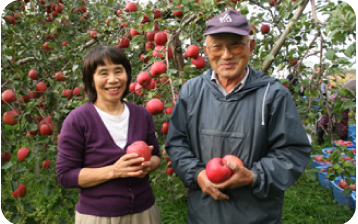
(71, 147)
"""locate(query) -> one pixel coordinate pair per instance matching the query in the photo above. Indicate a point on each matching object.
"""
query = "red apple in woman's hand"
(141, 148)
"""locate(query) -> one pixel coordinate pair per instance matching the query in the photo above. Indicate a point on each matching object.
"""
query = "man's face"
(229, 65)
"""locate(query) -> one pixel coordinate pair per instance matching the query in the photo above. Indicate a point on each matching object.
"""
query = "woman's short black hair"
(98, 56)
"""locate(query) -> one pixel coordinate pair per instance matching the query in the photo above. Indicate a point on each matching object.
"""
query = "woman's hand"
(127, 166)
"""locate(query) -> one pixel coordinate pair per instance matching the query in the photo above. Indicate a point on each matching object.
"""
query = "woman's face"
(110, 81)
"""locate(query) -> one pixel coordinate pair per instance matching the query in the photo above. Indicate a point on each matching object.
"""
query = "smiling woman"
(92, 156)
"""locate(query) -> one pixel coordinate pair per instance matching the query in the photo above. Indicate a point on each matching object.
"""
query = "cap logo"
(225, 19)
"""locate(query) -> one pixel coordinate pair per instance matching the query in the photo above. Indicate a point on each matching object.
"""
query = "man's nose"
(226, 52)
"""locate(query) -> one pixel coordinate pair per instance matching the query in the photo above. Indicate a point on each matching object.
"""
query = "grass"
(305, 202)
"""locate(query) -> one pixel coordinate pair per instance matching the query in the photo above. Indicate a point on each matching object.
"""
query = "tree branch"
(280, 42)
(313, 6)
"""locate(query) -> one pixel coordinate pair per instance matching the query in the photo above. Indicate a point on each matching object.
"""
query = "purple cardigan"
(86, 142)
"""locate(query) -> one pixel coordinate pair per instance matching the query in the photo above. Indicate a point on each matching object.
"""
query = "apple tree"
(44, 43)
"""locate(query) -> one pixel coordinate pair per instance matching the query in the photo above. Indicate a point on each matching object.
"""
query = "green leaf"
(330, 54)
(30, 220)
(28, 206)
(56, 205)
(348, 104)
(7, 165)
(110, 2)
(269, 57)
(9, 205)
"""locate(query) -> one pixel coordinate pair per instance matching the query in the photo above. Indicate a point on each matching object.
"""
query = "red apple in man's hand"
(141, 148)
(233, 159)
(217, 170)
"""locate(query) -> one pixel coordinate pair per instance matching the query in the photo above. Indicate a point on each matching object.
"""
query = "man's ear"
(252, 46)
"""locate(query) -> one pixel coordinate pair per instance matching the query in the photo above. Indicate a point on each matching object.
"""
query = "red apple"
(161, 50)
(64, 43)
(138, 89)
(233, 159)
(46, 164)
(169, 110)
(8, 117)
(67, 93)
(192, 51)
(124, 42)
(265, 29)
(144, 59)
(178, 13)
(165, 152)
(150, 35)
(165, 127)
(22, 153)
(158, 68)
(93, 34)
(8, 96)
(46, 47)
(292, 62)
(46, 119)
(342, 184)
(144, 78)
(217, 171)
(199, 62)
(132, 86)
(41, 87)
(253, 29)
(133, 32)
(5, 157)
(157, 14)
(131, 7)
(141, 148)
(46, 129)
(20, 191)
(59, 76)
(9, 19)
(317, 158)
(149, 45)
(155, 106)
(145, 19)
(33, 74)
(160, 38)
(28, 97)
(170, 171)
(275, 2)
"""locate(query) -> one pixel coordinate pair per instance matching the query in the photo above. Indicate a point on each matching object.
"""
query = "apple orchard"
(44, 42)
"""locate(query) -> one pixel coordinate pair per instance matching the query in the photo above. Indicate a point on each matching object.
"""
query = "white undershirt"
(117, 126)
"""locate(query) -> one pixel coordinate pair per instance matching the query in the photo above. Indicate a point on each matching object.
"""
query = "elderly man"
(234, 109)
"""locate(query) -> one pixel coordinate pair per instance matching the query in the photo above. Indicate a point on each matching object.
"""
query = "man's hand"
(207, 187)
(242, 177)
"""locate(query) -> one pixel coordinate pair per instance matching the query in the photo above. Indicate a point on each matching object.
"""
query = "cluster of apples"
(170, 170)
(342, 142)
(217, 170)
(320, 159)
(343, 184)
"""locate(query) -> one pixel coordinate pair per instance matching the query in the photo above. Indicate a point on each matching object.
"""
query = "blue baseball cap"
(228, 22)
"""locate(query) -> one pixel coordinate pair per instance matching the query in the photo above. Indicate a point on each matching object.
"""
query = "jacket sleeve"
(185, 163)
(70, 153)
(288, 145)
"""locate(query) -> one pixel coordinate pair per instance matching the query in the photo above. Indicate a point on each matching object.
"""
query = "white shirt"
(239, 86)
(117, 126)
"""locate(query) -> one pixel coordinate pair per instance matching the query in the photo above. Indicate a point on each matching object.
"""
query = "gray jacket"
(259, 124)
